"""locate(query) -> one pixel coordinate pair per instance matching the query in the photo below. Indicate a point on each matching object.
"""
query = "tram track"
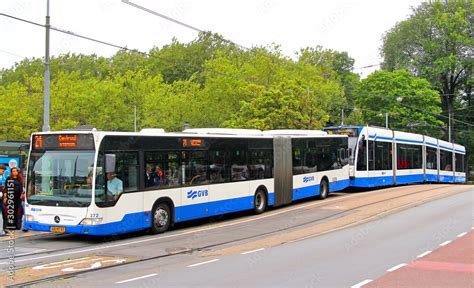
(237, 240)
(322, 204)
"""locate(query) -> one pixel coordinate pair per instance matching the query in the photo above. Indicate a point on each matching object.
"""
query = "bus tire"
(161, 218)
(323, 189)
(260, 201)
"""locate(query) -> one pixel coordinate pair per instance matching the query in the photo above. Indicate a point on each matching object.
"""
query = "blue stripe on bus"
(305, 192)
(459, 179)
(431, 144)
(338, 185)
(130, 222)
(310, 191)
(460, 151)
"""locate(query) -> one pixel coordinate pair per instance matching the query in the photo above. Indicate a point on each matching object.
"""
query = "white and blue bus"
(107, 183)
(382, 157)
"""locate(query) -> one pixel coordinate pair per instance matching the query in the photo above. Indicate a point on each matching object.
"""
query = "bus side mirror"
(109, 163)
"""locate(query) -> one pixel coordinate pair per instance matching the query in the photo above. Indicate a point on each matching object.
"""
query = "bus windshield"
(60, 178)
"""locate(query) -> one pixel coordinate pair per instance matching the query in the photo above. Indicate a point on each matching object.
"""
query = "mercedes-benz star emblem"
(57, 219)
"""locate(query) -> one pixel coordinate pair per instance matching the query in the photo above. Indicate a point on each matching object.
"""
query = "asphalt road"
(338, 259)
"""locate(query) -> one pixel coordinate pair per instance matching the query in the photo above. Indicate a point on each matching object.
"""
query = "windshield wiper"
(79, 204)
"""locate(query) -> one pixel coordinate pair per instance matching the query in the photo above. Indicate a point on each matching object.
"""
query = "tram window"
(362, 156)
(446, 160)
(431, 158)
(383, 155)
(460, 163)
(409, 156)
(162, 169)
(371, 155)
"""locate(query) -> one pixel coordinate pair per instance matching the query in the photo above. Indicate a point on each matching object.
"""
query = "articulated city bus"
(107, 183)
(382, 157)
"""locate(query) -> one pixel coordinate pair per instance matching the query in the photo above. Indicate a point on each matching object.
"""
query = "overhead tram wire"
(423, 111)
(179, 22)
(198, 68)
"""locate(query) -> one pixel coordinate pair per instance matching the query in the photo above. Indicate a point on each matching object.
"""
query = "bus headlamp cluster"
(91, 221)
(30, 218)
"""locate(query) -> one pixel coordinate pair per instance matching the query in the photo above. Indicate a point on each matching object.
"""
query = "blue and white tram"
(106, 183)
(382, 157)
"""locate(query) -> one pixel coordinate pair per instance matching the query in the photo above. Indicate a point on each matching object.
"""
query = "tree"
(410, 102)
(435, 43)
(339, 63)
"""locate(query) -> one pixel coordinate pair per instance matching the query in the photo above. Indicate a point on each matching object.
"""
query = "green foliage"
(436, 43)
(410, 102)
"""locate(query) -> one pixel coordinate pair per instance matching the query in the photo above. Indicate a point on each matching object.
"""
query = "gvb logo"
(307, 179)
(197, 193)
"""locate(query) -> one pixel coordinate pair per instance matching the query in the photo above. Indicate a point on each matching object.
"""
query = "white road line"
(462, 234)
(396, 267)
(358, 285)
(202, 263)
(252, 251)
(136, 278)
(424, 254)
(445, 243)
(184, 233)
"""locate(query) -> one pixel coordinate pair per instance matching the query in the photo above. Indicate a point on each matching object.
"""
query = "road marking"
(396, 267)
(358, 285)
(136, 278)
(184, 233)
(62, 263)
(445, 243)
(252, 251)
(462, 234)
(202, 263)
(424, 254)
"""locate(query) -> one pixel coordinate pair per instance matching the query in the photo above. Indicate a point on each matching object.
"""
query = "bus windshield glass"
(60, 178)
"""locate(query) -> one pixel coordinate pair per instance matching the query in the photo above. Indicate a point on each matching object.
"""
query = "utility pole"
(46, 100)
(449, 125)
(342, 117)
(386, 120)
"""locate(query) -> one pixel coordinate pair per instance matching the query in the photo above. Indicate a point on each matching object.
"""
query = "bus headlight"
(91, 221)
(30, 218)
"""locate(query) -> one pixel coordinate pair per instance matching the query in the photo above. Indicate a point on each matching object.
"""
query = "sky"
(356, 27)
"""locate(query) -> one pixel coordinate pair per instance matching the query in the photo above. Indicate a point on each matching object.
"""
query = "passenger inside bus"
(114, 185)
(158, 176)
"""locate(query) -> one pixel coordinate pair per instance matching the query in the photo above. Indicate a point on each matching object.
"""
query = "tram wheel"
(161, 218)
(260, 202)
(323, 189)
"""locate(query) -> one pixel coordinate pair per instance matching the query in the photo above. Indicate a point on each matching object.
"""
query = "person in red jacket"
(12, 198)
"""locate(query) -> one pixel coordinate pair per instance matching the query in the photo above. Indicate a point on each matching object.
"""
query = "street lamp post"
(46, 103)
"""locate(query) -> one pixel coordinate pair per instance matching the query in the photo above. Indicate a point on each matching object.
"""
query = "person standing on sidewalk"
(12, 194)
(4, 173)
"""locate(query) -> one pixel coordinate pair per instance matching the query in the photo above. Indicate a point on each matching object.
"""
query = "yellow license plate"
(58, 229)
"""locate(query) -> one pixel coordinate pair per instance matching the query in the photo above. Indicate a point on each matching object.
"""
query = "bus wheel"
(259, 202)
(161, 218)
(323, 189)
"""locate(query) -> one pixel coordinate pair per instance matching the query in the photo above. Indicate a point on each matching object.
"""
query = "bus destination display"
(63, 141)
